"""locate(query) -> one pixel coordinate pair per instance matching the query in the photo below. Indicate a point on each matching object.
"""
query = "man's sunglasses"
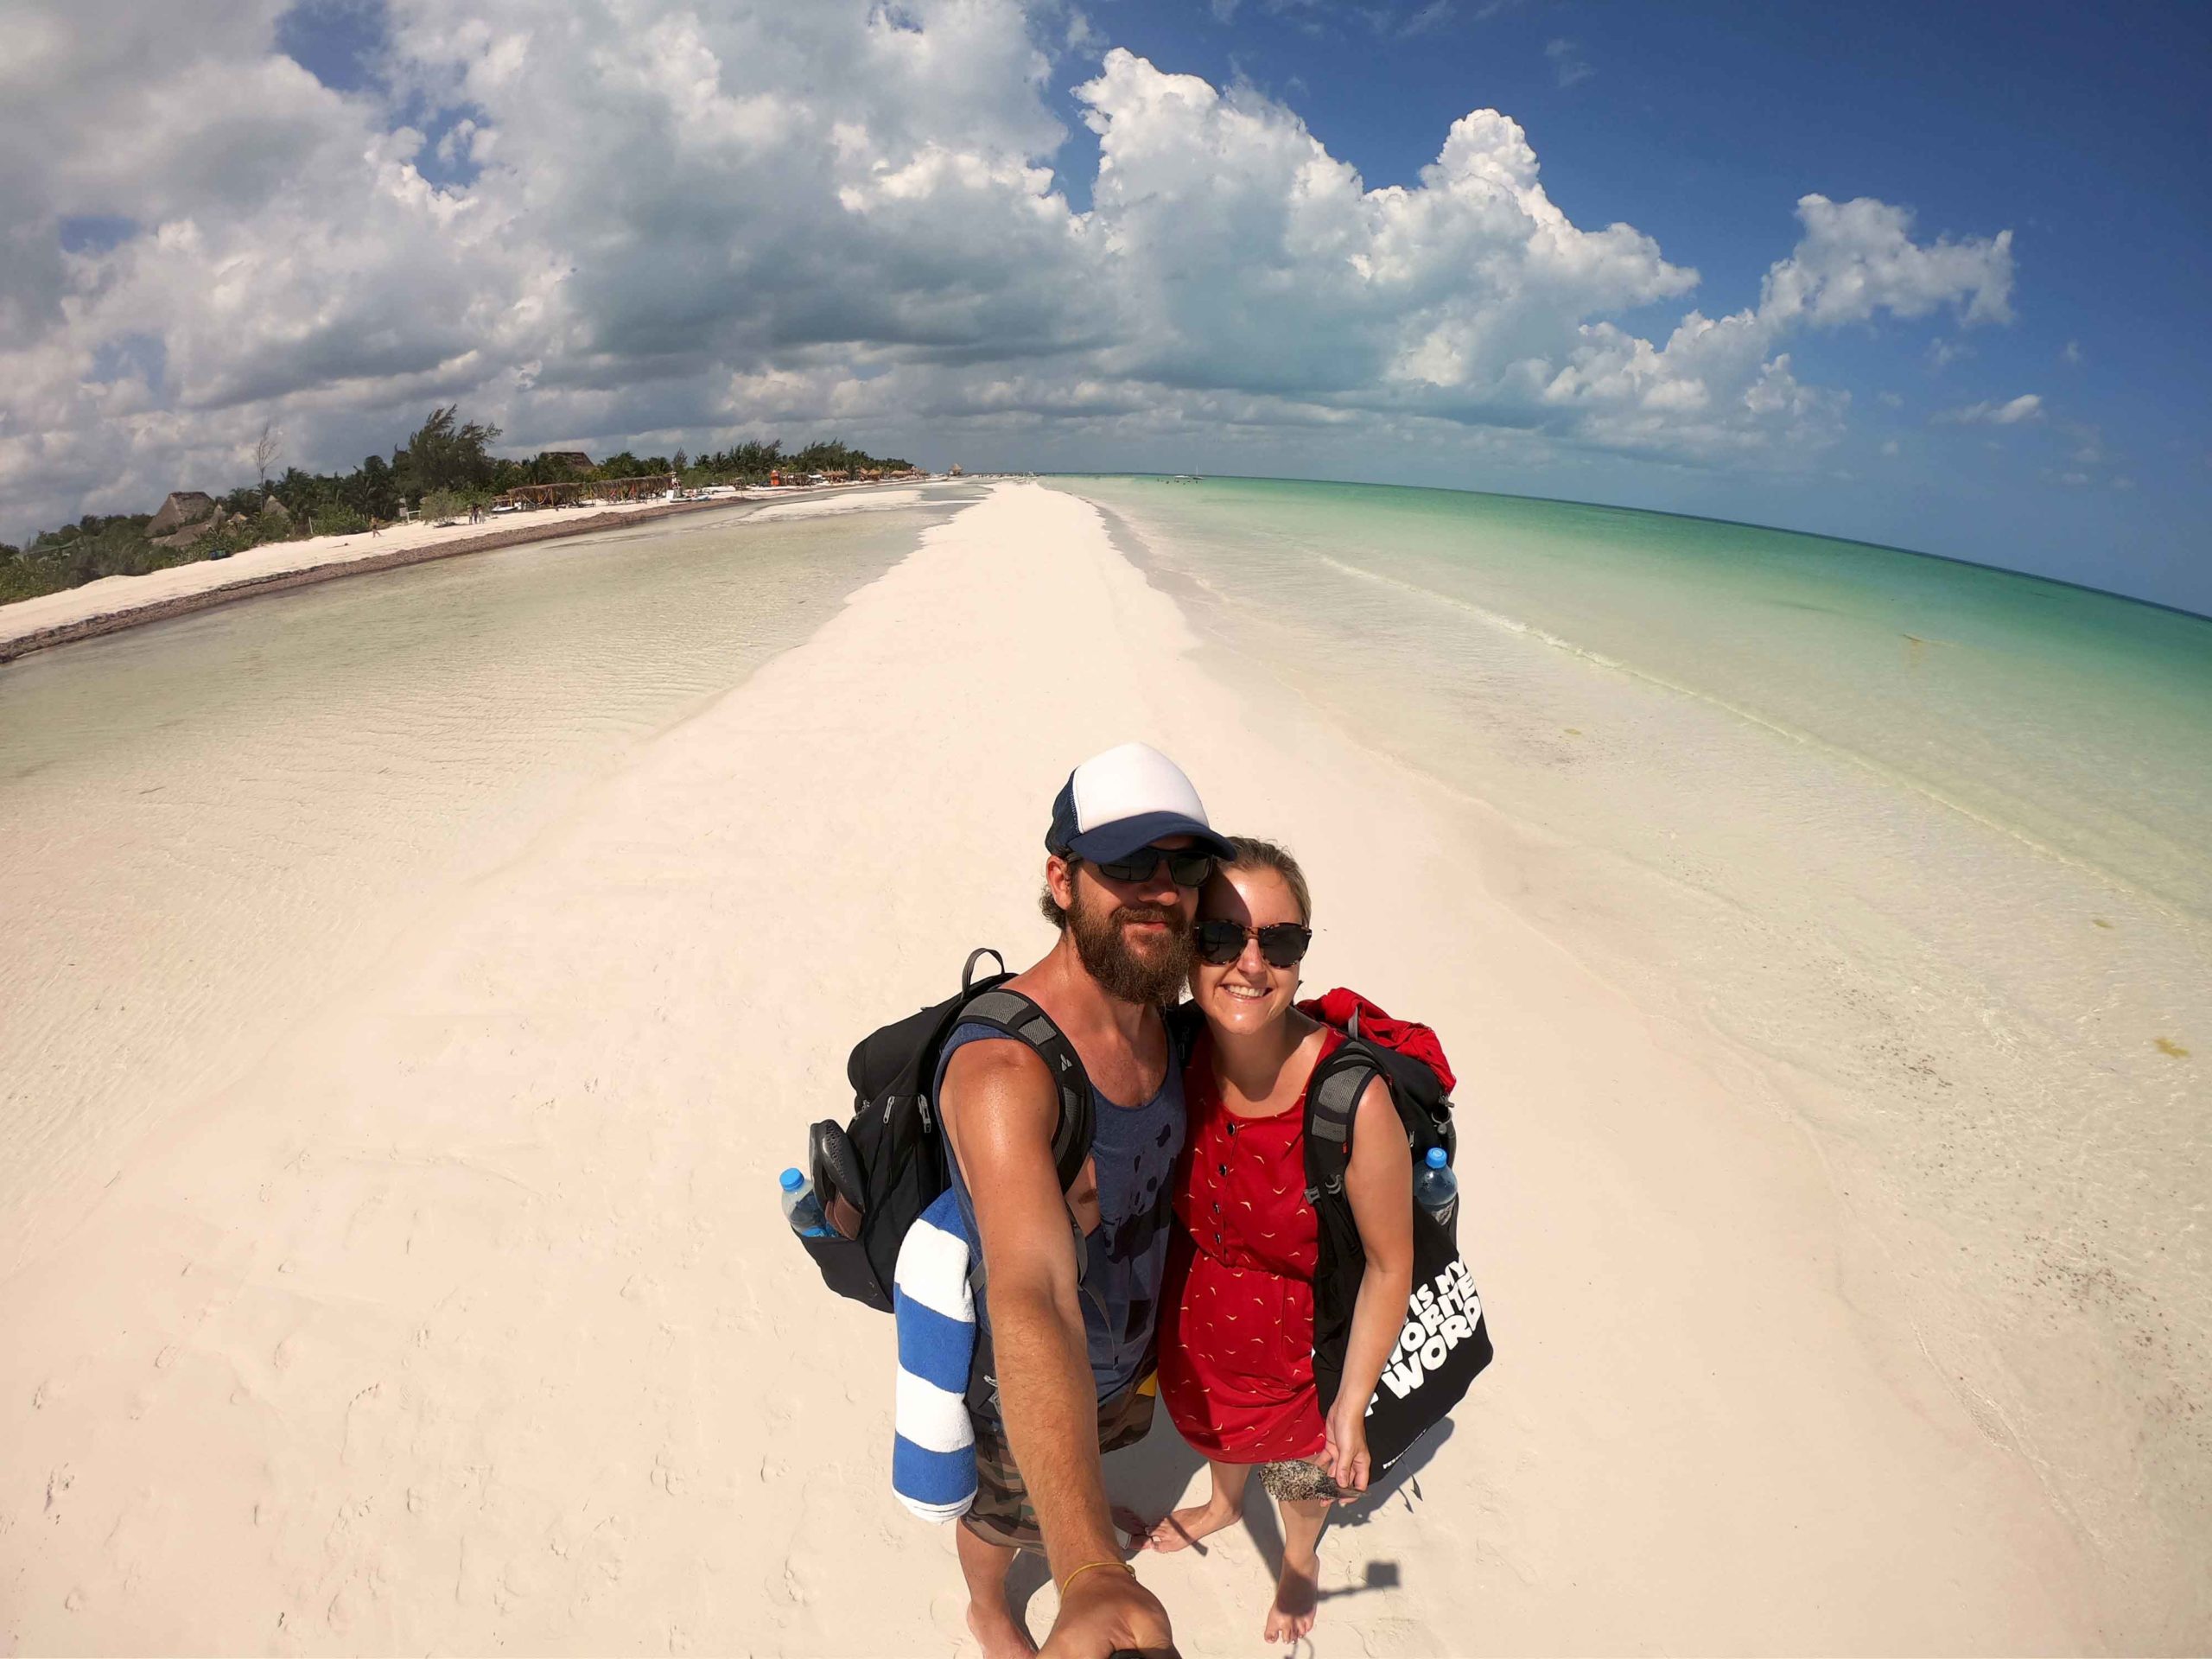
(1283, 943)
(1187, 867)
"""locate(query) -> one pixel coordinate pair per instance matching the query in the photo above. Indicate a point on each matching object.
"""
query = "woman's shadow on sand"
(1150, 1479)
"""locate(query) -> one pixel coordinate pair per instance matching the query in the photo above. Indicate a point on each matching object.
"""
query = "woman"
(1237, 1326)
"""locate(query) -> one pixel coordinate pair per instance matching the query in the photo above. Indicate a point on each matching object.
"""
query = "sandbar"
(467, 1320)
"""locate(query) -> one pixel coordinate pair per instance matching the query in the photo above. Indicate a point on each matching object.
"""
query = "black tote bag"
(1443, 1344)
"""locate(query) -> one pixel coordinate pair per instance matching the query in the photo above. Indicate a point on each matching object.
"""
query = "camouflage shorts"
(1002, 1511)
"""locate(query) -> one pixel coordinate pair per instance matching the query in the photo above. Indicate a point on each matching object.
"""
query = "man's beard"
(1151, 979)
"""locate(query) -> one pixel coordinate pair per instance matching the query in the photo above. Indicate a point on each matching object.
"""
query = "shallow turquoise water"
(212, 825)
(1932, 843)
(2077, 719)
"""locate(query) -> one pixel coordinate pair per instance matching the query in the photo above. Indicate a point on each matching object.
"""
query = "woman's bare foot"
(1297, 1597)
(1187, 1526)
(1001, 1636)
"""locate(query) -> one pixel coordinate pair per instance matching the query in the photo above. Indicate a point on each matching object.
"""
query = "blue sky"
(2083, 130)
(1701, 125)
(1104, 234)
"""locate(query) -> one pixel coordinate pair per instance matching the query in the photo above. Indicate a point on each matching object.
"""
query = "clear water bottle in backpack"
(801, 1208)
(1436, 1189)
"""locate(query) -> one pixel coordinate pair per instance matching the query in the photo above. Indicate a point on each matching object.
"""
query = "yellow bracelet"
(1086, 1567)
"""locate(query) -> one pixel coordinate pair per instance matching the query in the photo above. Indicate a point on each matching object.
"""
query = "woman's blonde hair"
(1253, 853)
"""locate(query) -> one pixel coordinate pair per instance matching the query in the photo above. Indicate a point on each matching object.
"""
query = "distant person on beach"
(1236, 1320)
(1066, 1318)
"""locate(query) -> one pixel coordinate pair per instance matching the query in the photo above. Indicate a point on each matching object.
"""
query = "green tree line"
(444, 468)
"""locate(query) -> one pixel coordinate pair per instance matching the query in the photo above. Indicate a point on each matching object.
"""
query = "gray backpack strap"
(1019, 1018)
(1331, 1102)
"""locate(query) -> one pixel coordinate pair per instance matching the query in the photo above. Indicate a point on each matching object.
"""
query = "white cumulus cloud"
(602, 221)
(1857, 258)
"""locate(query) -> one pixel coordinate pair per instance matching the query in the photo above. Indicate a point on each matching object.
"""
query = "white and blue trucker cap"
(1126, 798)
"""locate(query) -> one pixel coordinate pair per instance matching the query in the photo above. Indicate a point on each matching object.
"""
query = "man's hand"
(1107, 1612)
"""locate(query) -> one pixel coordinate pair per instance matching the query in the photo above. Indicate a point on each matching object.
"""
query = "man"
(1067, 1315)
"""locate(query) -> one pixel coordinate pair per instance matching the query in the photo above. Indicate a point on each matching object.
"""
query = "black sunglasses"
(1283, 943)
(1187, 867)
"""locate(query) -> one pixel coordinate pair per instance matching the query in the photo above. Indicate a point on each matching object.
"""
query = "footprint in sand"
(667, 1476)
(522, 1581)
(1383, 1636)
(367, 1422)
(949, 1613)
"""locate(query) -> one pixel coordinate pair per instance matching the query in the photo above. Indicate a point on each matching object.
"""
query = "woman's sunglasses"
(1283, 943)
(1186, 866)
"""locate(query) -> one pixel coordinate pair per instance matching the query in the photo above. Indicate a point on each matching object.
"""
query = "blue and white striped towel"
(933, 1460)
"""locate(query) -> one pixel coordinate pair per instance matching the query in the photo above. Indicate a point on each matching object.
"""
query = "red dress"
(1237, 1326)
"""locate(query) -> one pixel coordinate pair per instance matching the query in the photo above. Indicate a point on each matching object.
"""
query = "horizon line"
(1669, 512)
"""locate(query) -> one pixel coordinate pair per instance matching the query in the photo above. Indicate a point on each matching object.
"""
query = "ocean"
(1932, 843)
(212, 825)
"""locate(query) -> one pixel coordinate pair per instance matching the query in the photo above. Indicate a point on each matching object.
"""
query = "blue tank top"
(1132, 1151)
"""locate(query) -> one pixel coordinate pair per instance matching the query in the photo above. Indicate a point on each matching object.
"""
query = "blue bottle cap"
(1436, 1158)
(792, 1180)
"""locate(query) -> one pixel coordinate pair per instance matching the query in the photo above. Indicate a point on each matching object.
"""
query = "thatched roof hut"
(183, 507)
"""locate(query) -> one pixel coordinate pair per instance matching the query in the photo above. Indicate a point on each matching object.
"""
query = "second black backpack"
(889, 1162)
(1444, 1343)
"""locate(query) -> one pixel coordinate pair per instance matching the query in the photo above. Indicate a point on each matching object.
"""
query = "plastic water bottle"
(1436, 1189)
(801, 1208)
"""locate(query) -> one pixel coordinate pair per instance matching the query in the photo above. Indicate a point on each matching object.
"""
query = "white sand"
(467, 1321)
(875, 500)
(122, 593)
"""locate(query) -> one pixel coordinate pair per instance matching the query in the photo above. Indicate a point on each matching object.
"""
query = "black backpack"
(1423, 1380)
(889, 1163)
(1332, 1100)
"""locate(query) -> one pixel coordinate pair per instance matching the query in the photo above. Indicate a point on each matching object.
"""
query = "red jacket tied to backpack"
(1415, 1041)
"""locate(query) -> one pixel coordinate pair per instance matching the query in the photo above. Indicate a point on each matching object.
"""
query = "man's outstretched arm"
(1000, 1109)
